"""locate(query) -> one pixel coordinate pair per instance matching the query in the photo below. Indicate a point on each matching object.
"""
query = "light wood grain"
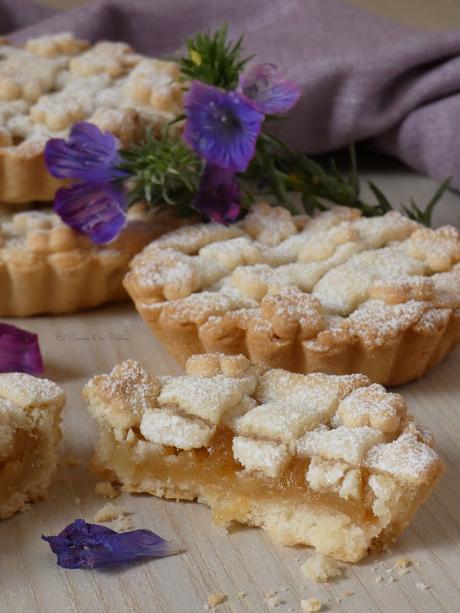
(78, 346)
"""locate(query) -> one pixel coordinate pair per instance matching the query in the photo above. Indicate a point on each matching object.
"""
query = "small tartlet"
(30, 430)
(53, 82)
(46, 267)
(335, 293)
(334, 462)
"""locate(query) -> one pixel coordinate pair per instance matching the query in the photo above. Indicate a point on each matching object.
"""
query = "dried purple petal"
(19, 351)
(82, 545)
(218, 196)
(95, 209)
(222, 127)
(268, 90)
(88, 155)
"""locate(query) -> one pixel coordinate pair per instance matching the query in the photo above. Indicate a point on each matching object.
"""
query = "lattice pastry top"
(352, 434)
(328, 281)
(55, 81)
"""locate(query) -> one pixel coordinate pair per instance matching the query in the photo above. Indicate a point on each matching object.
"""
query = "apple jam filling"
(332, 461)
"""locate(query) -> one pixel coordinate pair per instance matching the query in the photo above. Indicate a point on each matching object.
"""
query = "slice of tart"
(30, 430)
(334, 462)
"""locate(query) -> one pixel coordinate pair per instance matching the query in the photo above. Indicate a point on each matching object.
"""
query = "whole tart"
(46, 267)
(53, 82)
(330, 461)
(30, 430)
(335, 293)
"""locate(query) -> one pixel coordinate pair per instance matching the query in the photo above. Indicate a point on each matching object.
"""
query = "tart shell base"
(398, 361)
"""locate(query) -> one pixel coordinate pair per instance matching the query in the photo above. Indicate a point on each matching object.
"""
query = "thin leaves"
(163, 171)
(425, 215)
(213, 59)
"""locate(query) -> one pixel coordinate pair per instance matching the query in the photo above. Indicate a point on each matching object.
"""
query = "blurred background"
(426, 14)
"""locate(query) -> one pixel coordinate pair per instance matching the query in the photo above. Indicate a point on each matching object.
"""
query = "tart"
(330, 461)
(334, 293)
(46, 267)
(30, 429)
(54, 81)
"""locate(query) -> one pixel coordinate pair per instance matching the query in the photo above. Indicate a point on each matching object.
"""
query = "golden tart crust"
(30, 430)
(330, 461)
(55, 81)
(336, 293)
(46, 267)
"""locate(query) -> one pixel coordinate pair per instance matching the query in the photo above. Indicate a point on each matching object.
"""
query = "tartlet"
(330, 461)
(30, 430)
(46, 267)
(335, 293)
(55, 81)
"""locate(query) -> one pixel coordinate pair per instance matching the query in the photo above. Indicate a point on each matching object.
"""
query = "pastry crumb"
(311, 605)
(106, 489)
(272, 600)
(403, 571)
(379, 579)
(346, 594)
(215, 599)
(422, 586)
(320, 569)
(402, 563)
(109, 512)
(123, 523)
(241, 594)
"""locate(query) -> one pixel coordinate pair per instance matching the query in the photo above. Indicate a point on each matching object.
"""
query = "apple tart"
(335, 293)
(47, 267)
(30, 430)
(329, 461)
(53, 82)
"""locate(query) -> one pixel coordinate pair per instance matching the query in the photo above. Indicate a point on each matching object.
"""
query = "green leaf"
(213, 59)
(384, 204)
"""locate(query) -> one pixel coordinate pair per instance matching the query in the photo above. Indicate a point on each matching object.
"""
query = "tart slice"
(30, 429)
(329, 461)
(334, 293)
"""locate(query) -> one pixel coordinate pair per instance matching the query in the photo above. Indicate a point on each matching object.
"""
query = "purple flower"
(218, 196)
(221, 126)
(88, 155)
(95, 209)
(19, 351)
(268, 90)
(82, 545)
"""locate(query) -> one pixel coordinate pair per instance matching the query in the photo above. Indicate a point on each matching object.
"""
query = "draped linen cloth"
(362, 77)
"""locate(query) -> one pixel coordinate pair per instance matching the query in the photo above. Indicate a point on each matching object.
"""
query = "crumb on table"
(320, 569)
(311, 605)
(215, 599)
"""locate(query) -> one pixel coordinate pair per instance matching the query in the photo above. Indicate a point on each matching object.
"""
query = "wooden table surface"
(78, 346)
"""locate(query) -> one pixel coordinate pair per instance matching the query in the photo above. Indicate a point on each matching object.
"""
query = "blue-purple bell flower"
(95, 205)
(88, 546)
(19, 351)
(268, 90)
(97, 210)
(218, 196)
(87, 155)
(221, 127)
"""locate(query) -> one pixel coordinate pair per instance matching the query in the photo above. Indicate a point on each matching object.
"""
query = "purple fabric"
(361, 76)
